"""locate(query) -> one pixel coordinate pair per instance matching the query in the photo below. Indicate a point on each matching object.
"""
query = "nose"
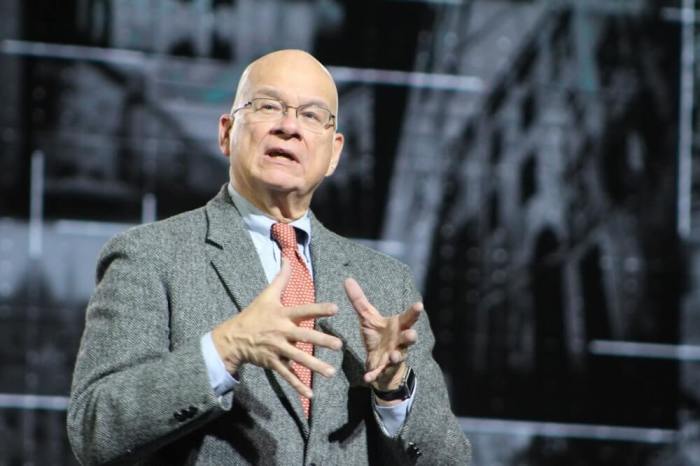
(288, 124)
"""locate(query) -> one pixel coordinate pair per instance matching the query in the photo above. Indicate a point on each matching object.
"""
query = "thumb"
(410, 316)
(279, 283)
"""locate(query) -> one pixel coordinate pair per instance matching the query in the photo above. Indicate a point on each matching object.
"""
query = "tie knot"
(285, 235)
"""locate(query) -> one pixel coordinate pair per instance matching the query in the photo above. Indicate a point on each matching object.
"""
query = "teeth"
(277, 153)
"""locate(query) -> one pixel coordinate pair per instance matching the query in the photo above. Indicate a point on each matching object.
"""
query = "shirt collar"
(260, 223)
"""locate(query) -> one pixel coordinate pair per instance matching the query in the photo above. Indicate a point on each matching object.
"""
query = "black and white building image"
(536, 164)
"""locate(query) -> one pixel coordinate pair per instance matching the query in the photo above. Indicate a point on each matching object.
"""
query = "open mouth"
(277, 152)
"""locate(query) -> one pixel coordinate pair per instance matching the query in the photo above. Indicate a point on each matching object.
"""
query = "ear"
(225, 124)
(338, 141)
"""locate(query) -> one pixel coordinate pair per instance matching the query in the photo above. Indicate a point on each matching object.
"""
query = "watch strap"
(404, 390)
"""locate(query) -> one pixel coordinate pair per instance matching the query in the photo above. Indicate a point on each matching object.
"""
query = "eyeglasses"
(313, 117)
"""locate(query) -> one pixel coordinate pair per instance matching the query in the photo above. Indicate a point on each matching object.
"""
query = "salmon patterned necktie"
(299, 290)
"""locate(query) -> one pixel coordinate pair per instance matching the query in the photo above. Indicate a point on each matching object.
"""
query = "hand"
(386, 338)
(264, 334)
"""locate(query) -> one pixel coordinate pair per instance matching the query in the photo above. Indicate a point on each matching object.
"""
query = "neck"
(284, 207)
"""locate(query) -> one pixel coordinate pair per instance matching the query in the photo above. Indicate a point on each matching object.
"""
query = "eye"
(269, 106)
(312, 114)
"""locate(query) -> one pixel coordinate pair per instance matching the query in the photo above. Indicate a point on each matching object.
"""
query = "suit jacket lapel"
(331, 267)
(232, 252)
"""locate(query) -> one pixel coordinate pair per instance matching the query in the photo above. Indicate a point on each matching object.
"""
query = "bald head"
(278, 159)
(291, 65)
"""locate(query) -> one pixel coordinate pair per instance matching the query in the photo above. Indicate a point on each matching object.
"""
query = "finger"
(396, 357)
(375, 366)
(407, 338)
(358, 299)
(372, 375)
(316, 338)
(410, 316)
(308, 311)
(287, 374)
(279, 283)
(305, 359)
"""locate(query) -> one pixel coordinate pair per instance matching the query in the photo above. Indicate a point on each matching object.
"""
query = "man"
(245, 332)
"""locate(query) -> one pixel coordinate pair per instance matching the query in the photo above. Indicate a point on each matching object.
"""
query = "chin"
(281, 184)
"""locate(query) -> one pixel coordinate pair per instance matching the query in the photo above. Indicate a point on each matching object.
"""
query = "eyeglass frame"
(286, 106)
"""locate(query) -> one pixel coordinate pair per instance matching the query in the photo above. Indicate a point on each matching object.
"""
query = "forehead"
(297, 80)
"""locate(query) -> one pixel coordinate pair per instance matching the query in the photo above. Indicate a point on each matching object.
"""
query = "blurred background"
(536, 163)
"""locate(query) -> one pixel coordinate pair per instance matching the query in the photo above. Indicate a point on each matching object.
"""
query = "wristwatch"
(403, 392)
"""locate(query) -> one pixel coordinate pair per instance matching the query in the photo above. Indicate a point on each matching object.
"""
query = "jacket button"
(191, 411)
(179, 416)
(413, 450)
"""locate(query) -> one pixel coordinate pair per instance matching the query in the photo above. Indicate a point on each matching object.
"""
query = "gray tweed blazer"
(140, 391)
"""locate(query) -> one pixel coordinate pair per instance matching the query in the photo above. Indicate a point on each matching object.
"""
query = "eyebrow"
(271, 92)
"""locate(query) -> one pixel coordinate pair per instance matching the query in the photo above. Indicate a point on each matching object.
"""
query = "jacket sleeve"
(431, 434)
(131, 392)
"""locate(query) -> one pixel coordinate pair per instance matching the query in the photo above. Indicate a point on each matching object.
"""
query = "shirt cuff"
(393, 417)
(219, 378)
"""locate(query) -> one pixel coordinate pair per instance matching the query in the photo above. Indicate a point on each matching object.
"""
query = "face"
(279, 160)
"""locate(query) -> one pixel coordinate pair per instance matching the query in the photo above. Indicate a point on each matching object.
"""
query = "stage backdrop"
(534, 162)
